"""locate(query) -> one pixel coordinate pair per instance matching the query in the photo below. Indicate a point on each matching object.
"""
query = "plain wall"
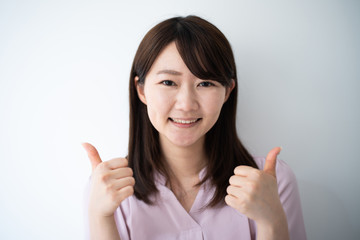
(64, 68)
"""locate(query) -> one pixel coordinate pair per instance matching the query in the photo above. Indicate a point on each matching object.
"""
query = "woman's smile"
(184, 123)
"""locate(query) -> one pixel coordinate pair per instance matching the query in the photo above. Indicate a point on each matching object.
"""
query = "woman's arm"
(111, 182)
(254, 193)
(278, 229)
(103, 228)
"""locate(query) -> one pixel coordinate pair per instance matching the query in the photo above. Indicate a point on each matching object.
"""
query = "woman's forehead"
(169, 62)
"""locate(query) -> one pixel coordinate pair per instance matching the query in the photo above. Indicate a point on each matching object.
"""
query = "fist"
(254, 193)
(111, 182)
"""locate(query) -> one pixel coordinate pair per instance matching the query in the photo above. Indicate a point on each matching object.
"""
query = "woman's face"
(181, 107)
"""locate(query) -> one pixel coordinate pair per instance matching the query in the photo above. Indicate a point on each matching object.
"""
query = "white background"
(64, 69)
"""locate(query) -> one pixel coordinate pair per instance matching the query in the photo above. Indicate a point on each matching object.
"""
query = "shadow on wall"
(324, 213)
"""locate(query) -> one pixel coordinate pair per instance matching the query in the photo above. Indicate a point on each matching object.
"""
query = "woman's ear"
(229, 89)
(140, 90)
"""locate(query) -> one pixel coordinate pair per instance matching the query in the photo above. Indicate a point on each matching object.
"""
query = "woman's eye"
(168, 83)
(206, 84)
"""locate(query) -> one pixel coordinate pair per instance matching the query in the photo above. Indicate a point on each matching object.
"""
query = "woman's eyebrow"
(169, 71)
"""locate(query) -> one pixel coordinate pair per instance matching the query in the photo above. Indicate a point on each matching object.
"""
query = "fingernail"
(83, 144)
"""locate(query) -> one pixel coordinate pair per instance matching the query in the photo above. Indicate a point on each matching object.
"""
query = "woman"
(187, 175)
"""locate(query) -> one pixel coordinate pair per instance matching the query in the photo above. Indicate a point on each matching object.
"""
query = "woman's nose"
(186, 99)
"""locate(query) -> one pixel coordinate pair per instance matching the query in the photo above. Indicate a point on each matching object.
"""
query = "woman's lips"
(182, 122)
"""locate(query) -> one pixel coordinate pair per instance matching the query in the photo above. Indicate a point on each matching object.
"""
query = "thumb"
(270, 162)
(92, 154)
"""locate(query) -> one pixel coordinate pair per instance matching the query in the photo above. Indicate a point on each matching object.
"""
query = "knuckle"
(125, 192)
(105, 165)
(131, 181)
(249, 198)
(109, 189)
(131, 191)
(101, 167)
(252, 186)
(232, 179)
(125, 161)
(237, 169)
(228, 189)
(244, 206)
(122, 161)
(256, 174)
(243, 202)
(114, 198)
(227, 200)
(241, 205)
(129, 171)
(104, 177)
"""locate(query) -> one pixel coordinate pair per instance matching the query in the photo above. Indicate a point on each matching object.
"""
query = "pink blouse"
(167, 219)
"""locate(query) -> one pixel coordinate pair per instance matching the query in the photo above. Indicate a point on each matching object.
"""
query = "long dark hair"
(208, 55)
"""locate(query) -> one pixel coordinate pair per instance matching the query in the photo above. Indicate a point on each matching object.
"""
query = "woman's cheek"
(213, 103)
(158, 105)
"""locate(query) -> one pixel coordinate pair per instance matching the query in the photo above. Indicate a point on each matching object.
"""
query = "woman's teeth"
(183, 121)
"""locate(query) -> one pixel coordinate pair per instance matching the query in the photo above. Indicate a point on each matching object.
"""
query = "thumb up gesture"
(254, 192)
(111, 182)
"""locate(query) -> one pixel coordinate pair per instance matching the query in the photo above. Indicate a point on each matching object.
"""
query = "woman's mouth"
(185, 122)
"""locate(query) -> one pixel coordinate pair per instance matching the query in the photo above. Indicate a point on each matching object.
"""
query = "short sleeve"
(121, 214)
(289, 197)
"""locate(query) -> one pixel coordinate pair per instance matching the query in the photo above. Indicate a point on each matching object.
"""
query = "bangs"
(202, 46)
(205, 53)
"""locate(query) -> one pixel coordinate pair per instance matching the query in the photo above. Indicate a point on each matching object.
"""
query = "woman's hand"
(111, 182)
(254, 193)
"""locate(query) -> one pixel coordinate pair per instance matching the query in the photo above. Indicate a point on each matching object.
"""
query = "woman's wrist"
(103, 227)
(99, 217)
(275, 229)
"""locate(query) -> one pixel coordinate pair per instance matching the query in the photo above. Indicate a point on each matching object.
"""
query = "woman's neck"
(184, 163)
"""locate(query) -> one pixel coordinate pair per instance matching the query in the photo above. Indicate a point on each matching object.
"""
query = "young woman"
(187, 175)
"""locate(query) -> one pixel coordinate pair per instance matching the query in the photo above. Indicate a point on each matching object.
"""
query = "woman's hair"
(208, 55)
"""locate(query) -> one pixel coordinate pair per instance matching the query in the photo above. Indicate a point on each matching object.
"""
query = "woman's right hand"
(111, 182)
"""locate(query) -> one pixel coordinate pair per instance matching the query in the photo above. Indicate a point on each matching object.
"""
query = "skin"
(183, 108)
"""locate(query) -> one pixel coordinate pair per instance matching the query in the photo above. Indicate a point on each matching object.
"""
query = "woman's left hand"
(254, 193)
